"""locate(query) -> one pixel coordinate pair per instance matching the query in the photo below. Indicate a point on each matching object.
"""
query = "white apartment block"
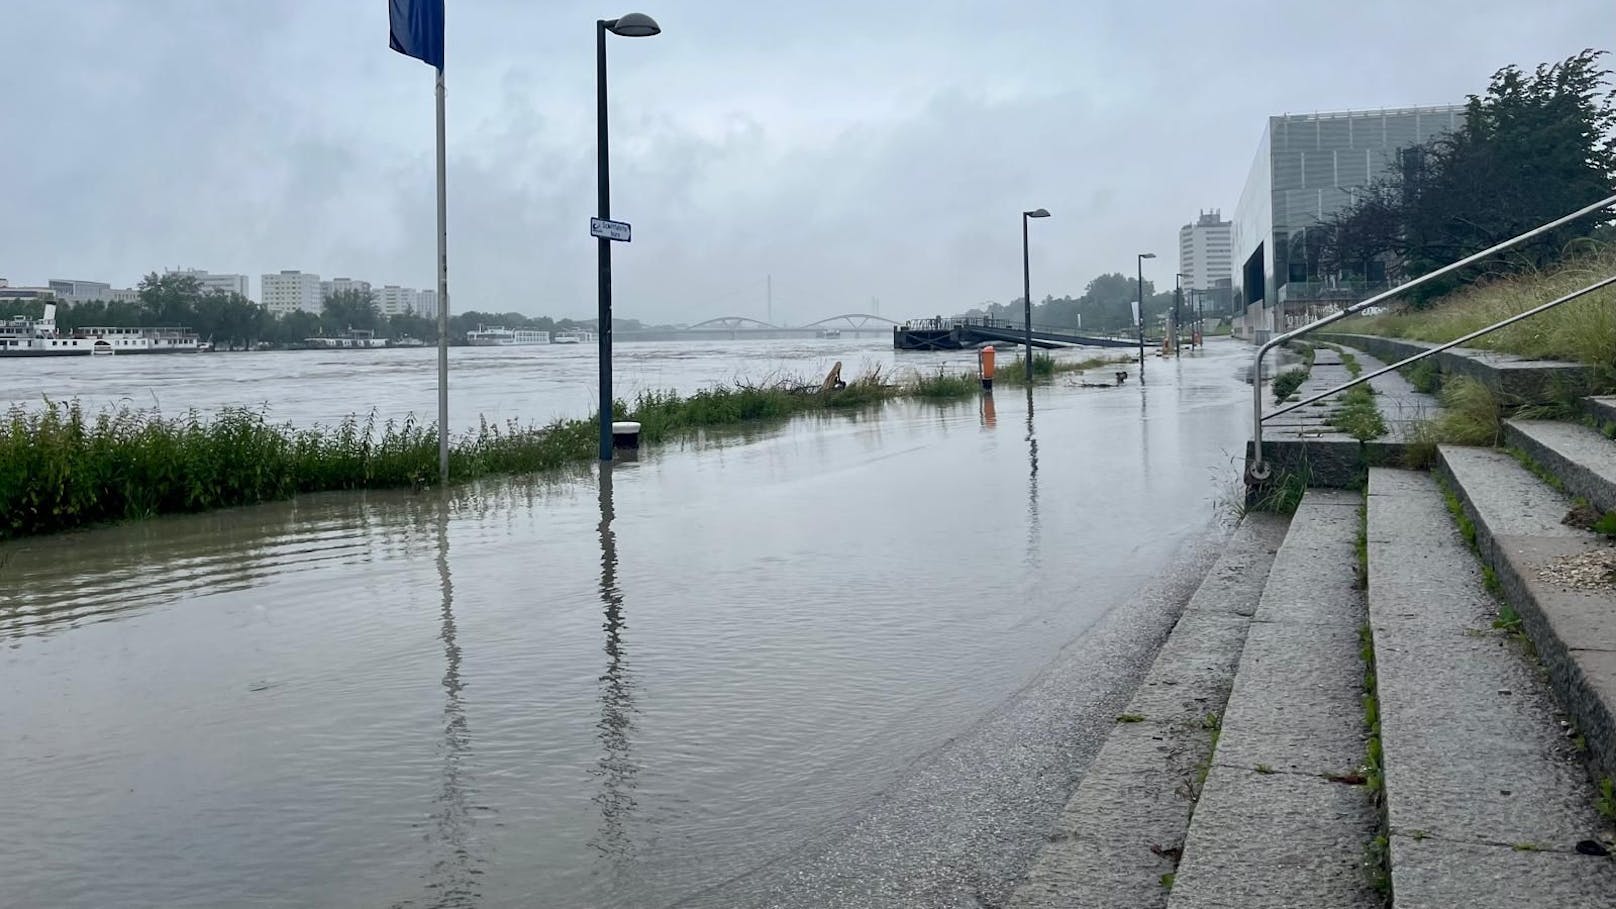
(1205, 252)
(344, 285)
(216, 283)
(291, 291)
(426, 304)
(397, 301)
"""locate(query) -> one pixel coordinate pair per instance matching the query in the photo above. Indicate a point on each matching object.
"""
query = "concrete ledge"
(1584, 460)
(1125, 825)
(1424, 876)
(1574, 631)
(1515, 379)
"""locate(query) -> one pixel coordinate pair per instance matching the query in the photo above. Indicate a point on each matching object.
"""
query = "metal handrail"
(1260, 469)
(1605, 282)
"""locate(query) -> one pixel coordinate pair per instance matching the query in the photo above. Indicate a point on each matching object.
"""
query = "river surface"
(851, 660)
(530, 384)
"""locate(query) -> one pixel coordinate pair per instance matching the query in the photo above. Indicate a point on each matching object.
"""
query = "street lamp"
(1026, 283)
(1139, 317)
(1178, 294)
(633, 25)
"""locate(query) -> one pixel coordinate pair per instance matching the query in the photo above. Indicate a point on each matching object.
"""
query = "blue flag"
(415, 29)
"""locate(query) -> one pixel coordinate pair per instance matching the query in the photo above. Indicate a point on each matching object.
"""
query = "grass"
(61, 468)
(1377, 855)
(1285, 383)
(1282, 496)
(1264, 769)
(1471, 414)
(1046, 367)
(1605, 804)
(1361, 548)
(1425, 376)
(1582, 331)
(1358, 415)
(1167, 881)
(1131, 718)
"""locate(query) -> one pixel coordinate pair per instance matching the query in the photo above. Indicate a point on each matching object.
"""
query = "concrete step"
(1581, 458)
(1600, 407)
(1555, 577)
(1125, 824)
(1486, 797)
(1271, 828)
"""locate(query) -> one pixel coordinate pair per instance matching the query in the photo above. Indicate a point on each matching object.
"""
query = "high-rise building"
(426, 304)
(1204, 256)
(344, 285)
(1308, 167)
(397, 301)
(212, 282)
(291, 291)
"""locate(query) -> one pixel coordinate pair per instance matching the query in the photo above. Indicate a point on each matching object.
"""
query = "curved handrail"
(1260, 469)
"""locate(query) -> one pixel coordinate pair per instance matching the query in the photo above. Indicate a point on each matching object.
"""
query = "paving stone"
(1193, 671)
(1436, 874)
(1517, 503)
(1296, 701)
(1276, 841)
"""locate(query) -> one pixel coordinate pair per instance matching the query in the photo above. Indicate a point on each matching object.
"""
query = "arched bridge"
(853, 323)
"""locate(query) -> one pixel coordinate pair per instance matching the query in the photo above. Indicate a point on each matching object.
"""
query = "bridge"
(724, 328)
(959, 334)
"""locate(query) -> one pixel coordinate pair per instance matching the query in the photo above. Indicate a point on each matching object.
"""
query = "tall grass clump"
(1358, 415)
(1582, 331)
(1471, 413)
(1286, 382)
(61, 468)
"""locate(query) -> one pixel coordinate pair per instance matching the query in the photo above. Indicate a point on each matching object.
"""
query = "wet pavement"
(853, 660)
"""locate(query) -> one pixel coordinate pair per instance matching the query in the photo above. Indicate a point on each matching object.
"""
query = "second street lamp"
(1026, 284)
(1178, 294)
(1139, 316)
(633, 25)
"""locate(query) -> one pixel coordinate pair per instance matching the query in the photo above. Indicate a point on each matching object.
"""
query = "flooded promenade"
(851, 660)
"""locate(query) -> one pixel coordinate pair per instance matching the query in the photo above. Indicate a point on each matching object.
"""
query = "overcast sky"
(853, 150)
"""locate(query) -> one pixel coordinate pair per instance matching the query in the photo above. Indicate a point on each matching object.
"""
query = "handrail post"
(1258, 469)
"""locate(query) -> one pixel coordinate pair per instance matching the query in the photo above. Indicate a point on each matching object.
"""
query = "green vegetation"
(61, 468)
(1582, 331)
(1358, 416)
(1425, 375)
(1280, 496)
(1378, 862)
(1606, 802)
(1508, 619)
(1131, 718)
(1471, 414)
(1264, 768)
(1467, 528)
(1532, 147)
(1167, 880)
(1361, 547)
(1046, 367)
(1286, 382)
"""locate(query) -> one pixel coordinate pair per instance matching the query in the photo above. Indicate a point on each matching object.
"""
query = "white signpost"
(609, 230)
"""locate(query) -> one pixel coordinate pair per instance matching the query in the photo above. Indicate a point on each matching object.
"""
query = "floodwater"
(851, 660)
(530, 384)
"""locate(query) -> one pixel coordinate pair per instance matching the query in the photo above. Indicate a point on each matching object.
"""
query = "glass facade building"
(1307, 168)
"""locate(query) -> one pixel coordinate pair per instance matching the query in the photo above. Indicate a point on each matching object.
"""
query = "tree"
(347, 310)
(1532, 148)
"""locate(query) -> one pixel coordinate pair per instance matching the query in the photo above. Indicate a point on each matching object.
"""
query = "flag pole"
(443, 303)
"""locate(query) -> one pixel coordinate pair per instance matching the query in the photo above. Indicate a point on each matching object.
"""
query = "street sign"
(609, 230)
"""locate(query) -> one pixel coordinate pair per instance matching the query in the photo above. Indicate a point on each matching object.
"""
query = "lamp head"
(1037, 213)
(634, 25)
(1147, 255)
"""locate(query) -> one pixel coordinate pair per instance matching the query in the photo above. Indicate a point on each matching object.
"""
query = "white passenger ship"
(24, 337)
(500, 336)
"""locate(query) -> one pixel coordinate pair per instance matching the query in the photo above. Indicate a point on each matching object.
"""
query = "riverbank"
(62, 468)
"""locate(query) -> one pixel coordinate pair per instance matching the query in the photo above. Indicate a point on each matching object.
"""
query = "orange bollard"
(984, 361)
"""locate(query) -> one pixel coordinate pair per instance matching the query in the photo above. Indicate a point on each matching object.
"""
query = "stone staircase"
(1422, 710)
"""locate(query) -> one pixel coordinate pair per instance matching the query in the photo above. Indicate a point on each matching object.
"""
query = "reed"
(61, 468)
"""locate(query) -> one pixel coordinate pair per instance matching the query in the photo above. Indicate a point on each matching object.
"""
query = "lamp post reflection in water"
(989, 414)
(453, 879)
(1033, 535)
(616, 766)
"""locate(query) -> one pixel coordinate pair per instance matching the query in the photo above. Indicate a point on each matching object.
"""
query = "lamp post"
(1178, 294)
(1140, 316)
(1026, 284)
(633, 25)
